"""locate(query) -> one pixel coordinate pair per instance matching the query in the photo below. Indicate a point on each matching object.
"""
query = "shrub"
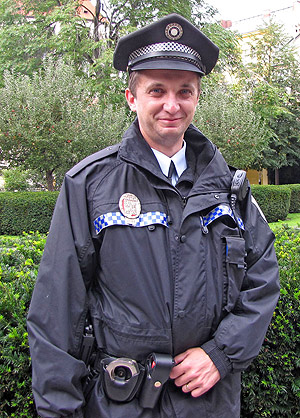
(32, 211)
(274, 201)
(19, 261)
(295, 198)
(271, 385)
(26, 211)
(16, 179)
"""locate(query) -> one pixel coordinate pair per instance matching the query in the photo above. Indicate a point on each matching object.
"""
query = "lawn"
(292, 220)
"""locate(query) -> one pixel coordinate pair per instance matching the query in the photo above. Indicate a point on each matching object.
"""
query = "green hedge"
(32, 211)
(270, 386)
(295, 198)
(26, 211)
(274, 201)
(19, 262)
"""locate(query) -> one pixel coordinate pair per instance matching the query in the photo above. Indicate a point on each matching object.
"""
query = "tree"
(230, 56)
(29, 29)
(275, 83)
(47, 114)
(51, 120)
(228, 119)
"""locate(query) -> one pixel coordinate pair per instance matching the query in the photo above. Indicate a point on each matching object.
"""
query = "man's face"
(165, 103)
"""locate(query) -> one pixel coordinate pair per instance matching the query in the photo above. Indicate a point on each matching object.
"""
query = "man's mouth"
(168, 120)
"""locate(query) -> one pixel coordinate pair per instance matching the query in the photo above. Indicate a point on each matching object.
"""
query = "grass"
(292, 220)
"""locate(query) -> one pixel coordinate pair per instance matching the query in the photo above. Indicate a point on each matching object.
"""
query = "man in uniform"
(151, 243)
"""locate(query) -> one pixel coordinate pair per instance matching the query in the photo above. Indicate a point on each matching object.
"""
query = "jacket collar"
(134, 149)
(207, 168)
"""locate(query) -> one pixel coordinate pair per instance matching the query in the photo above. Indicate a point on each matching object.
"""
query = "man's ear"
(130, 100)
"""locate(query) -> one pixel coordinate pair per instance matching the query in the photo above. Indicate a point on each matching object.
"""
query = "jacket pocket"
(235, 270)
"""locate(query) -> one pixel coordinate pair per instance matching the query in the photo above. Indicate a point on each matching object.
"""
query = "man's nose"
(171, 104)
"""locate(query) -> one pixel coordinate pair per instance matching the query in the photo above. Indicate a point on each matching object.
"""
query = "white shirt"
(178, 159)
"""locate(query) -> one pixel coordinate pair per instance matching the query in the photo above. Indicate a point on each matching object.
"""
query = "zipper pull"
(184, 201)
(203, 227)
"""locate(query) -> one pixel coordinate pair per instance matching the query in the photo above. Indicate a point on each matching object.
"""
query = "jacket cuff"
(218, 357)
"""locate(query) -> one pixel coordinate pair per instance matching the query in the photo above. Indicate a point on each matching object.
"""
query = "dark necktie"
(172, 170)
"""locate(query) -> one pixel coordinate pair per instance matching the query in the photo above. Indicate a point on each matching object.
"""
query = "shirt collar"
(179, 159)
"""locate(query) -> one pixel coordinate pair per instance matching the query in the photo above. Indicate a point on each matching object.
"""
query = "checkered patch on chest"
(117, 218)
(221, 210)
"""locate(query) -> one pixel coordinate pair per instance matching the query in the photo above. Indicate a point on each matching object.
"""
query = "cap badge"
(130, 206)
(173, 31)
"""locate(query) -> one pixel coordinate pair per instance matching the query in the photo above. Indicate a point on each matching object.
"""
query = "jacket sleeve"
(240, 334)
(58, 306)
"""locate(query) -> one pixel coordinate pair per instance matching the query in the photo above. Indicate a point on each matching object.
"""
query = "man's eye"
(156, 91)
(186, 92)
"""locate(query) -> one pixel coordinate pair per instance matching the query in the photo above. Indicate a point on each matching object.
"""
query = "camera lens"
(122, 373)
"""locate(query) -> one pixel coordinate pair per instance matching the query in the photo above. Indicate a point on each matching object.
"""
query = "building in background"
(288, 15)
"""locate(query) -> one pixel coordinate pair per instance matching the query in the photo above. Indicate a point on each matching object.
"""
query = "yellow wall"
(257, 177)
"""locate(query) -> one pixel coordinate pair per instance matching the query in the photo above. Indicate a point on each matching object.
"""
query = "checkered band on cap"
(217, 212)
(166, 50)
(116, 218)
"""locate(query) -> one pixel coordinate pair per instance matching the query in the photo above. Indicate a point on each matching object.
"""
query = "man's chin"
(172, 132)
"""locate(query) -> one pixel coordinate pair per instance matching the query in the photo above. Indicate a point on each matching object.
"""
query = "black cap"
(171, 43)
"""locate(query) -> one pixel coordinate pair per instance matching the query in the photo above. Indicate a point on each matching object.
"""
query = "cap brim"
(166, 64)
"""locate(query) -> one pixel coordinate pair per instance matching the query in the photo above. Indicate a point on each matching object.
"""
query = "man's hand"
(194, 372)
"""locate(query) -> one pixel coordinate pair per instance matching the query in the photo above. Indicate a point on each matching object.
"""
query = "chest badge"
(130, 206)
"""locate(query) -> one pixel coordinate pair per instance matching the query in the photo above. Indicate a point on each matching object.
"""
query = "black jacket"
(172, 280)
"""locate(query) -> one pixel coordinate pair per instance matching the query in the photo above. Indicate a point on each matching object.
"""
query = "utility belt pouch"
(121, 378)
(158, 368)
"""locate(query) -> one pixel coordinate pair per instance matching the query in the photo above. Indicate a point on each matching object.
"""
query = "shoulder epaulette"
(92, 158)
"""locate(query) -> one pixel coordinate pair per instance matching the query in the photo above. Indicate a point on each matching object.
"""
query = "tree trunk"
(50, 180)
(276, 176)
(96, 34)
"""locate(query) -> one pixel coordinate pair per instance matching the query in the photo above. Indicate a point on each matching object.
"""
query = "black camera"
(122, 373)
(124, 378)
(121, 378)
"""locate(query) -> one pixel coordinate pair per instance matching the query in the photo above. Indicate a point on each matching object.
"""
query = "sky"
(238, 9)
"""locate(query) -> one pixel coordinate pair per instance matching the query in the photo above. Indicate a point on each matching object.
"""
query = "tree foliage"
(229, 120)
(16, 179)
(230, 56)
(51, 121)
(36, 28)
(276, 93)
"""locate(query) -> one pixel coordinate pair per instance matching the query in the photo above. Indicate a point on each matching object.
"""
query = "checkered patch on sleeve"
(116, 218)
(221, 210)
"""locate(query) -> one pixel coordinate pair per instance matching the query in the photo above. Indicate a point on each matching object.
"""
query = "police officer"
(150, 242)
